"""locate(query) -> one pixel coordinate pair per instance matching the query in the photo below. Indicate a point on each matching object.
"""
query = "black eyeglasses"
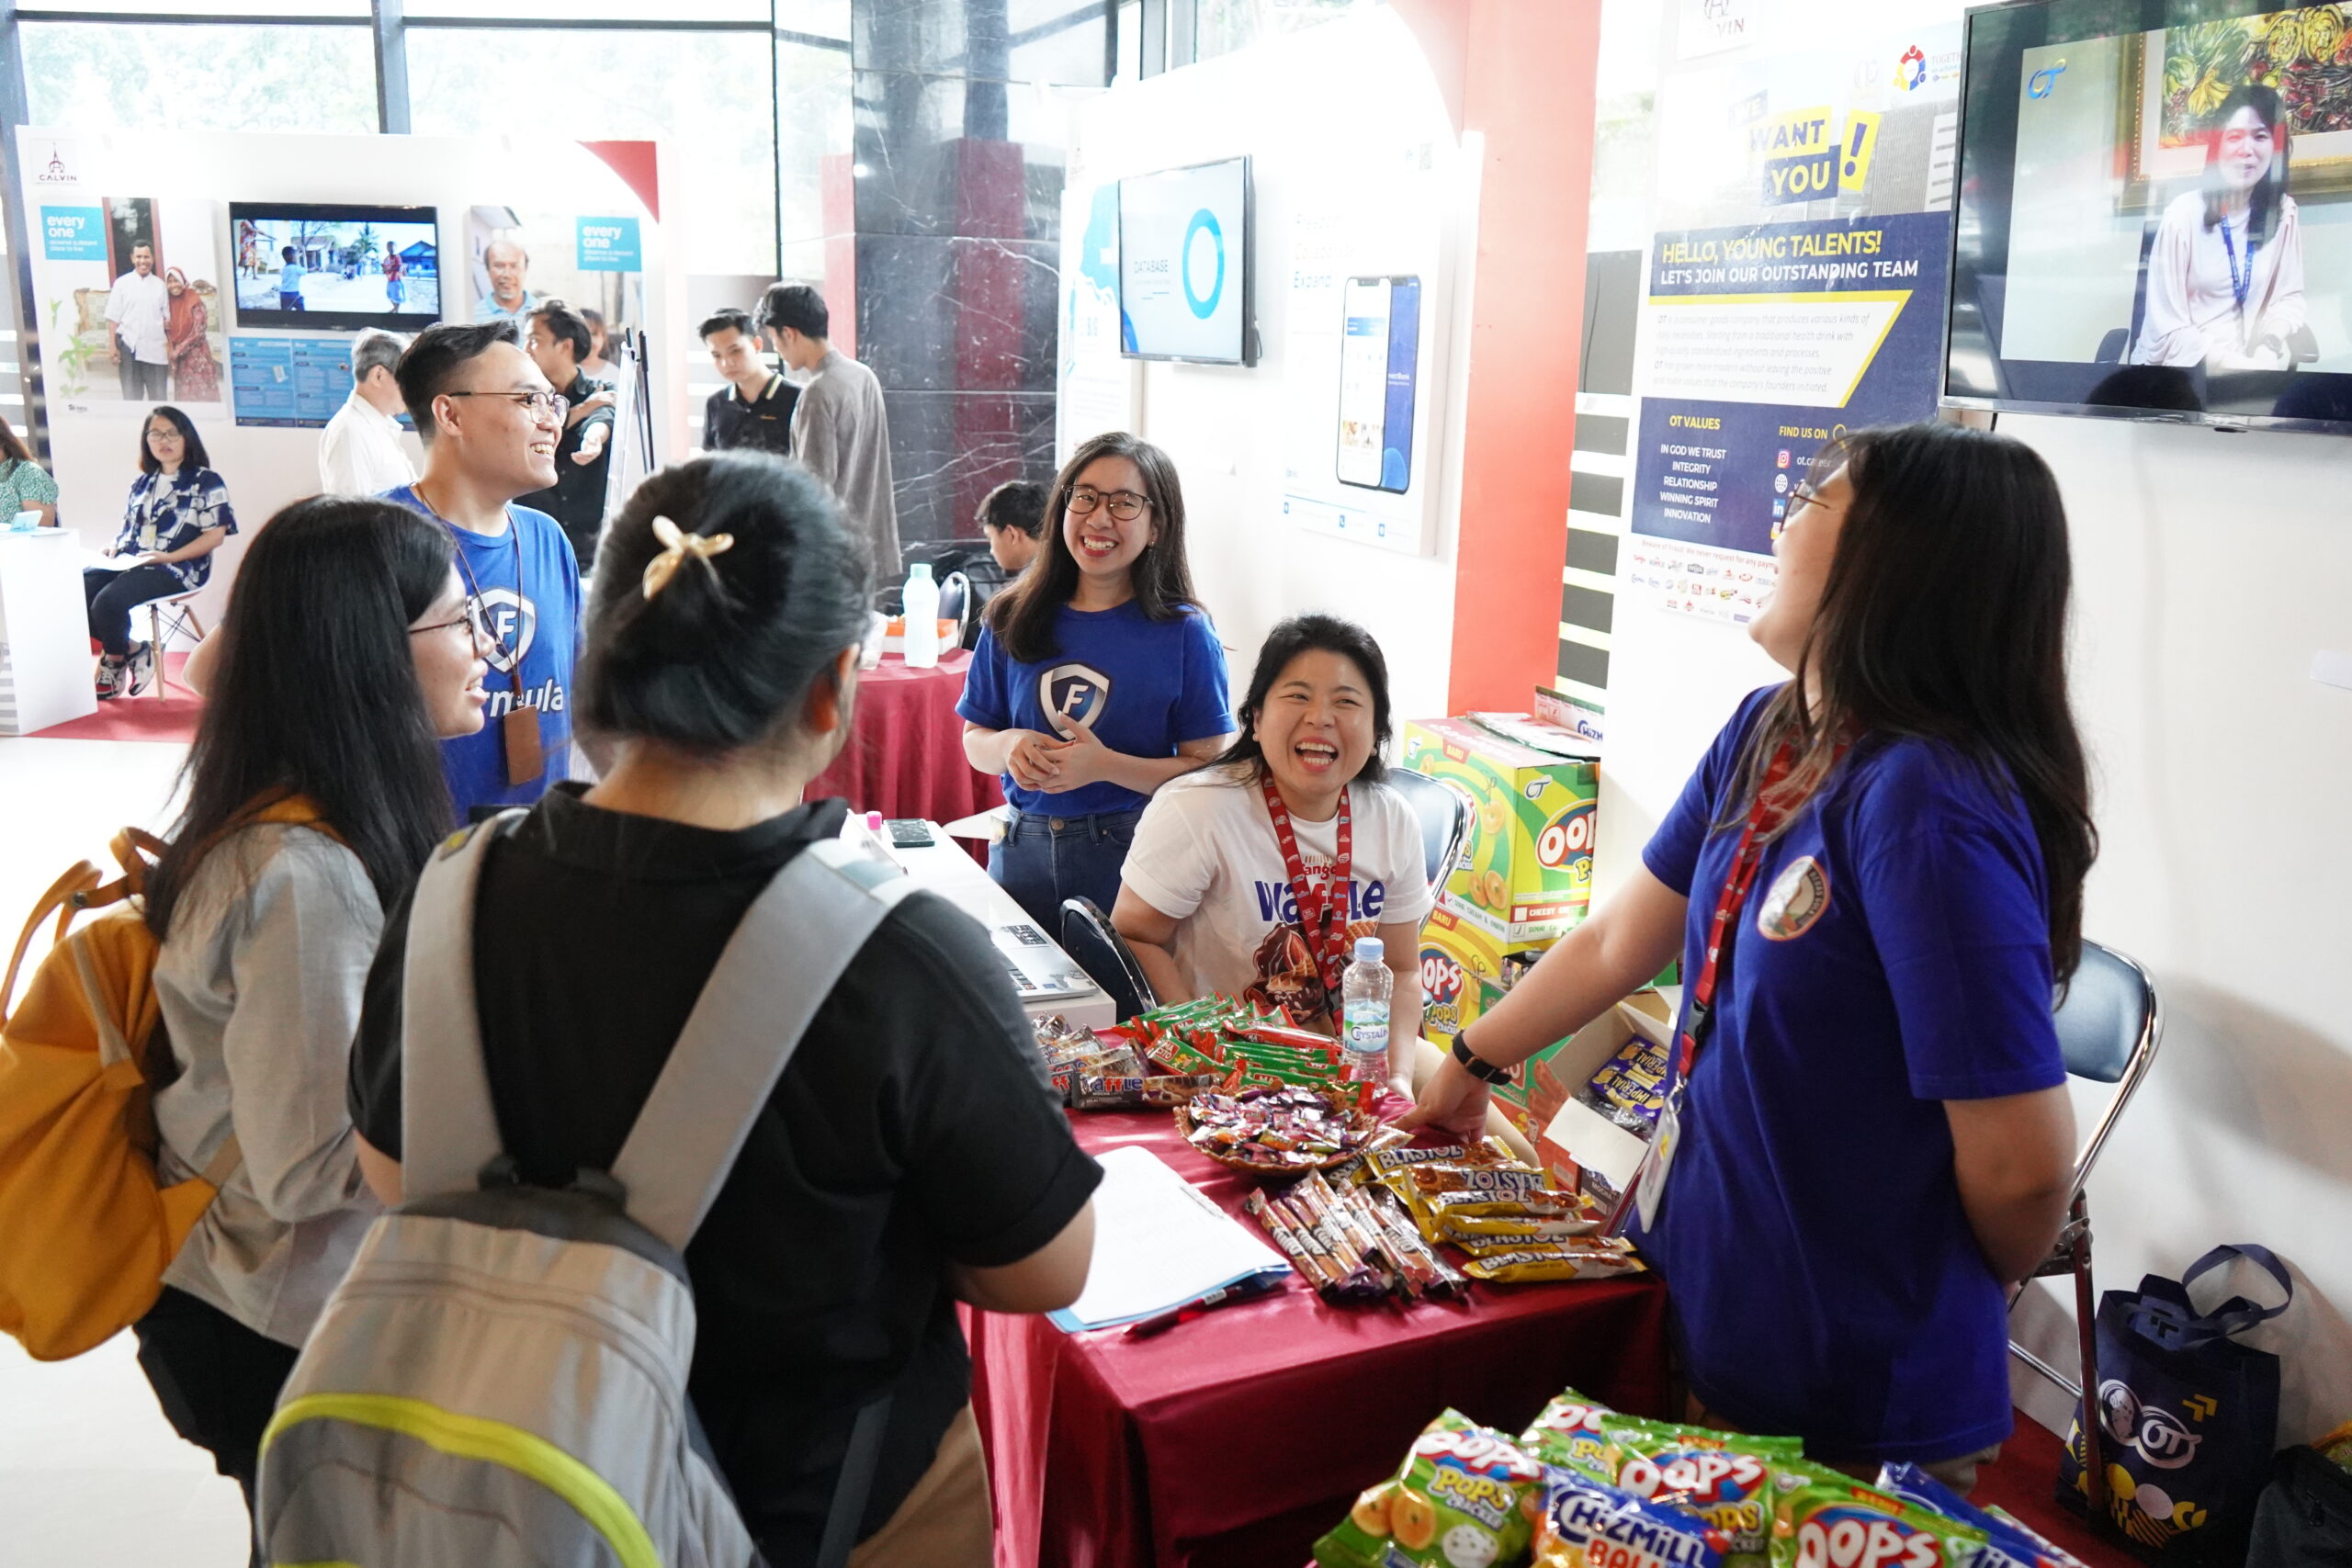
(1804, 494)
(1125, 504)
(472, 620)
(535, 402)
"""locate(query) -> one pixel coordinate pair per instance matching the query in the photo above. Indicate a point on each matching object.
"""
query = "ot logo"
(1440, 976)
(1568, 838)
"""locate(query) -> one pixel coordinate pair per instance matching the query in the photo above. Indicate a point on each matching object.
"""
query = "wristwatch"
(1479, 1066)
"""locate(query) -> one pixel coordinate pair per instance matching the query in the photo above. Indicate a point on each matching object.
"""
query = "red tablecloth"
(1237, 1438)
(905, 755)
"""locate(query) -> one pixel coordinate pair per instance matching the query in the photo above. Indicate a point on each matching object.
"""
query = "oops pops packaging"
(1467, 1498)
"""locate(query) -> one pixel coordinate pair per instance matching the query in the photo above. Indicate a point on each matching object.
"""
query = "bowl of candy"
(1280, 1130)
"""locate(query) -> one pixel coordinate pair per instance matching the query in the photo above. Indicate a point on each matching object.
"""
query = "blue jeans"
(1042, 860)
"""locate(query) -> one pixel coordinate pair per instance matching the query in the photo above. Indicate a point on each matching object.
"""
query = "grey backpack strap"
(777, 969)
(448, 1128)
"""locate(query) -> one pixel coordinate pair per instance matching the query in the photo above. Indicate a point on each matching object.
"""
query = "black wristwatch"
(1479, 1066)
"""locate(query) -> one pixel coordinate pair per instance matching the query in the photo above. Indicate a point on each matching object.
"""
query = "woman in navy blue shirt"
(1097, 680)
(1875, 1133)
(178, 514)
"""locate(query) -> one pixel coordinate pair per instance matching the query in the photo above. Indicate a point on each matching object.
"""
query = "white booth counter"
(44, 631)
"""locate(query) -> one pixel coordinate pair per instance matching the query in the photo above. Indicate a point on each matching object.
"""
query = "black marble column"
(962, 112)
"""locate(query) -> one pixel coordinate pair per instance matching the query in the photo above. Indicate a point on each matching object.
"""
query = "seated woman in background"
(2225, 274)
(24, 485)
(178, 514)
(314, 795)
(1254, 876)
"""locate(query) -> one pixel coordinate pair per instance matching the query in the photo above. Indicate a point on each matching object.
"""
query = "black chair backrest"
(1087, 937)
(1444, 817)
(955, 599)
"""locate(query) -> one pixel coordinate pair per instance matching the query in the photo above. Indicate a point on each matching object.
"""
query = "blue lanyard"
(2240, 286)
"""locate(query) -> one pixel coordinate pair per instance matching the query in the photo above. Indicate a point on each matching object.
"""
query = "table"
(1237, 1440)
(45, 630)
(905, 755)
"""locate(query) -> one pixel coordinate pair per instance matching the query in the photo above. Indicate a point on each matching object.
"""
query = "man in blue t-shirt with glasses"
(490, 425)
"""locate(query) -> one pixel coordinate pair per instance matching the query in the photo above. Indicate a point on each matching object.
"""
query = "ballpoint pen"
(1241, 1290)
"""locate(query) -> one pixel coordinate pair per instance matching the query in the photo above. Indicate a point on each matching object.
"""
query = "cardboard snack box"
(1463, 961)
(1571, 1134)
(1525, 870)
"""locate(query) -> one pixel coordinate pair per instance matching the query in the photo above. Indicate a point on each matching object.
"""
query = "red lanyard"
(1320, 910)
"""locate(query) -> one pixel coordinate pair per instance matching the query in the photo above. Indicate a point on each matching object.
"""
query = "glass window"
(355, 10)
(188, 76)
(1224, 25)
(706, 94)
(654, 12)
(814, 135)
(814, 18)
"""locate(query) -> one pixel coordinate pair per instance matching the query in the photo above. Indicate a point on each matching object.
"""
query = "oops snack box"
(1525, 871)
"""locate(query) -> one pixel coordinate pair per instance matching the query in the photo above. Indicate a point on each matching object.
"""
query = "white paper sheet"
(1157, 1244)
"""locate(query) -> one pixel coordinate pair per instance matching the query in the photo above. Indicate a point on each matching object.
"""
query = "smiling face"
(1808, 543)
(1315, 728)
(174, 284)
(497, 438)
(506, 263)
(142, 260)
(2246, 147)
(1105, 547)
(165, 443)
(449, 665)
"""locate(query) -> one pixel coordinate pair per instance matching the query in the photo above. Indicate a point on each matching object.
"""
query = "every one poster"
(1797, 281)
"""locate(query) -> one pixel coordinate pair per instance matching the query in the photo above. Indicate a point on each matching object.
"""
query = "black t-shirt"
(576, 499)
(761, 424)
(915, 1128)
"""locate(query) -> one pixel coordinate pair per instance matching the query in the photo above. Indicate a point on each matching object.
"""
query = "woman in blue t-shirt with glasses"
(1876, 1136)
(1097, 680)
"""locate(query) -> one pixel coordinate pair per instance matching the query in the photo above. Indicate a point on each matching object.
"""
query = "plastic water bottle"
(921, 601)
(1364, 990)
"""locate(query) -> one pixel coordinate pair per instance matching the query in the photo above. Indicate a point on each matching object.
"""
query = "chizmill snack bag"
(1588, 1523)
(1465, 1497)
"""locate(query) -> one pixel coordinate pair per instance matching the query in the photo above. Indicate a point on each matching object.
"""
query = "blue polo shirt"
(541, 615)
(1894, 954)
(1145, 687)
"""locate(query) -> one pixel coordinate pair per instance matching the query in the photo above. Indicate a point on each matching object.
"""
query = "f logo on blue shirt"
(513, 622)
(1073, 692)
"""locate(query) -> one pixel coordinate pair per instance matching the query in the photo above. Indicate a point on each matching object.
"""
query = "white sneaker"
(139, 671)
(112, 676)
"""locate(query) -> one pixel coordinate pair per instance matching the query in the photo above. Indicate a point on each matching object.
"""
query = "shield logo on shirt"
(514, 624)
(1073, 692)
(1800, 896)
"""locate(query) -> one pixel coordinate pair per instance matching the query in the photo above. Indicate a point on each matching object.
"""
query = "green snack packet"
(1849, 1524)
(1465, 1497)
(1726, 1480)
(1568, 1434)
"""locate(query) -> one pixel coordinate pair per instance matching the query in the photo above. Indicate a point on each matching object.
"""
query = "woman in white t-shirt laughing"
(1254, 876)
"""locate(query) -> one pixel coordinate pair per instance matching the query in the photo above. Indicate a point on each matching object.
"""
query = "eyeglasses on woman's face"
(468, 616)
(1125, 504)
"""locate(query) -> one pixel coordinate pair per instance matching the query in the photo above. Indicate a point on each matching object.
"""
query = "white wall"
(1310, 109)
(2208, 570)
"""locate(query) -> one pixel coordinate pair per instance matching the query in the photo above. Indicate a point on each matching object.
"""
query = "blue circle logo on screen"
(1203, 223)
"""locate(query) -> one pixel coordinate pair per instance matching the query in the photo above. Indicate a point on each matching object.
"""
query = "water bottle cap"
(1369, 950)
(874, 821)
(921, 570)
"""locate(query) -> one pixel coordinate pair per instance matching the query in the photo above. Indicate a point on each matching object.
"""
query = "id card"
(526, 758)
(1650, 1185)
(147, 537)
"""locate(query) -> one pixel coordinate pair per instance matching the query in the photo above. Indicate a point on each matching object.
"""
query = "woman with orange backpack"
(314, 794)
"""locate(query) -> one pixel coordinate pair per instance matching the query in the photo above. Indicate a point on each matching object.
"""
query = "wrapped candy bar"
(1586, 1257)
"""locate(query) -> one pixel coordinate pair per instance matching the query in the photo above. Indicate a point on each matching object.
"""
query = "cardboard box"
(1569, 1135)
(1461, 972)
(1525, 872)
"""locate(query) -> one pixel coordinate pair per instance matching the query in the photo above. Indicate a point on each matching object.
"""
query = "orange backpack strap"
(136, 851)
(67, 896)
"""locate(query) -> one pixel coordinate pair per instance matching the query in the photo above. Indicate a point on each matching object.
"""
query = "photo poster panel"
(1094, 387)
(590, 260)
(84, 246)
(1796, 291)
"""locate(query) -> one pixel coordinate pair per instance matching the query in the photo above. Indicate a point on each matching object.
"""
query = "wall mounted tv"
(1186, 289)
(2155, 212)
(305, 264)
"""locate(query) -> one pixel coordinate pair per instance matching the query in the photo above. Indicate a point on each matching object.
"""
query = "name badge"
(1649, 1184)
(147, 537)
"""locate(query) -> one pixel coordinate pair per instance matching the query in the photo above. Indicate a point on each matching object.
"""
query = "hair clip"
(680, 545)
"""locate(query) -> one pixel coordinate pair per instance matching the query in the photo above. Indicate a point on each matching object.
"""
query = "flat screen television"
(308, 265)
(1186, 284)
(2155, 212)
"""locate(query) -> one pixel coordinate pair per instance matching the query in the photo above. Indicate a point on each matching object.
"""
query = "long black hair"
(194, 458)
(316, 694)
(14, 450)
(1944, 617)
(723, 656)
(1311, 634)
(2264, 202)
(1022, 616)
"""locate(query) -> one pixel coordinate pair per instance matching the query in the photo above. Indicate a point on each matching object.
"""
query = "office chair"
(1443, 813)
(1089, 937)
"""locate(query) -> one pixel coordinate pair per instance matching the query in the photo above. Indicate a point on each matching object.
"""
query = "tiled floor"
(90, 1474)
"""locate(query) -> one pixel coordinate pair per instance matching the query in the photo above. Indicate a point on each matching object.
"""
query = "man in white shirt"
(361, 453)
(137, 308)
(510, 298)
(840, 432)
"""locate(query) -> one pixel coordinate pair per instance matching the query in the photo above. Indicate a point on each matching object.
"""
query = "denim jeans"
(1042, 860)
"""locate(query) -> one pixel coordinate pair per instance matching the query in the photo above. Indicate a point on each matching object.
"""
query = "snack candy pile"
(1514, 1227)
(1351, 1245)
(1280, 1129)
(1465, 1498)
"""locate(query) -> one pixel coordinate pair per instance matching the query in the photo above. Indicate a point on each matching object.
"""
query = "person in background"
(360, 451)
(558, 341)
(490, 425)
(24, 485)
(395, 280)
(178, 513)
(196, 376)
(1097, 680)
(911, 1156)
(137, 338)
(840, 432)
(1012, 519)
(289, 281)
(1874, 881)
(753, 411)
(1214, 896)
(350, 648)
(2225, 272)
(598, 366)
(509, 299)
